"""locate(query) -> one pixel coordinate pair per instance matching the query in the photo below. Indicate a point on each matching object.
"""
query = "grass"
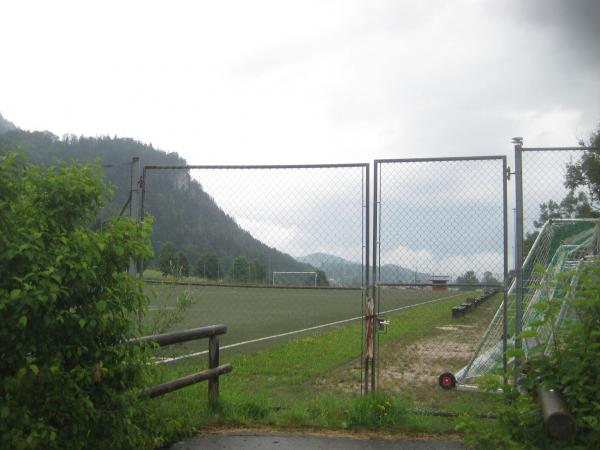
(255, 312)
(312, 382)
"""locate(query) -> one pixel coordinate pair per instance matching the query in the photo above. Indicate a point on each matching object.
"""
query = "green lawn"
(313, 381)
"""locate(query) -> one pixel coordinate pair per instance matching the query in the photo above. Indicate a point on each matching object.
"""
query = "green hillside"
(341, 272)
(185, 215)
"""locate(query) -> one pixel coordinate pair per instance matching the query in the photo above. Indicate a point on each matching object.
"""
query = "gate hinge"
(508, 173)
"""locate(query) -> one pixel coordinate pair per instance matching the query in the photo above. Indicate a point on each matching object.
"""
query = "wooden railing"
(211, 374)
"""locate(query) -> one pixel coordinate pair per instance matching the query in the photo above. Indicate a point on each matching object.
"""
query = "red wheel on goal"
(447, 381)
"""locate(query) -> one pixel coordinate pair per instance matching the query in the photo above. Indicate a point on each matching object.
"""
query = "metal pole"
(506, 174)
(518, 248)
(367, 259)
(374, 268)
(134, 207)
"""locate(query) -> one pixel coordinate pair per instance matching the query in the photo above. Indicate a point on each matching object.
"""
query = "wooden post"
(213, 362)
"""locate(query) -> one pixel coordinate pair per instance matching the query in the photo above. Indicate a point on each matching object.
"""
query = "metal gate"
(265, 239)
(440, 266)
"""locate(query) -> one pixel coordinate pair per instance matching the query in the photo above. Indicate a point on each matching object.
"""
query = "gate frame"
(375, 369)
(366, 184)
(519, 229)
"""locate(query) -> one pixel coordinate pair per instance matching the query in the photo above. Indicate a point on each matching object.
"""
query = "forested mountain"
(5, 125)
(341, 272)
(186, 216)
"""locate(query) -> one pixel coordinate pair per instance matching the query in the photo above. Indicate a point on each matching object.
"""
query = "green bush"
(67, 305)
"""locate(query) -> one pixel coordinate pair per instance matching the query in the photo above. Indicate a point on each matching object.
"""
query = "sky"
(311, 82)
(268, 82)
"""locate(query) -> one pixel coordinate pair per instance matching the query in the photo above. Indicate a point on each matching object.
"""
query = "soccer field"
(257, 313)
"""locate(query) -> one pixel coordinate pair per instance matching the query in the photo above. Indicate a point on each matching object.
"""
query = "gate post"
(518, 141)
(369, 362)
(505, 178)
(134, 206)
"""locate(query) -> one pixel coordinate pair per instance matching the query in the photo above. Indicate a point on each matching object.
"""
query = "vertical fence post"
(518, 247)
(213, 362)
(374, 301)
(505, 177)
(370, 346)
(134, 205)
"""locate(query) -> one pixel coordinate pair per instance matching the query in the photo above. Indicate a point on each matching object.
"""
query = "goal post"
(306, 278)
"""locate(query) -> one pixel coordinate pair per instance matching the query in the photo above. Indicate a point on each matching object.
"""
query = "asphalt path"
(270, 441)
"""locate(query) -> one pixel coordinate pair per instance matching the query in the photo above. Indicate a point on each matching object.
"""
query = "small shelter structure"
(439, 282)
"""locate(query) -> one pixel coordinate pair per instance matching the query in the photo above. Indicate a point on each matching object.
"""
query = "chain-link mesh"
(118, 178)
(560, 223)
(440, 264)
(276, 253)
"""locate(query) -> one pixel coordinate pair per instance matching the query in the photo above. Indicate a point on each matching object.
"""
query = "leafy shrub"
(67, 305)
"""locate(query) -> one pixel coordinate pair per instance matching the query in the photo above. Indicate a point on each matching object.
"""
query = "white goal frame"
(290, 273)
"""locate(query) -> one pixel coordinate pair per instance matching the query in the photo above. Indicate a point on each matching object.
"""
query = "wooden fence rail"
(215, 370)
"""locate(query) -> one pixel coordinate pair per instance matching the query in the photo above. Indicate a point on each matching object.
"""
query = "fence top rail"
(176, 337)
(261, 166)
(443, 159)
(558, 149)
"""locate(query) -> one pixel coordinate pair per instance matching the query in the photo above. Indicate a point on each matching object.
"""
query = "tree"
(322, 278)
(489, 278)
(586, 172)
(241, 269)
(182, 267)
(168, 259)
(258, 272)
(582, 174)
(67, 307)
(208, 266)
(468, 278)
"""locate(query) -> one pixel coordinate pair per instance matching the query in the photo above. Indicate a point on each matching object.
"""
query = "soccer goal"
(562, 244)
(295, 279)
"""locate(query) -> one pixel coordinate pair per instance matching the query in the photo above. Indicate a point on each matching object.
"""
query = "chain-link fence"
(119, 178)
(277, 253)
(556, 226)
(440, 263)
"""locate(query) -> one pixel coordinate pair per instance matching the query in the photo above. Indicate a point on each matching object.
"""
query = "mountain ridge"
(184, 213)
(342, 272)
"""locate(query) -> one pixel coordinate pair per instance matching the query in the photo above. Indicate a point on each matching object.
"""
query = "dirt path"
(412, 366)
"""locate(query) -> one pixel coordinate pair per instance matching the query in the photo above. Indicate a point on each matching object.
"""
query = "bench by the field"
(213, 372)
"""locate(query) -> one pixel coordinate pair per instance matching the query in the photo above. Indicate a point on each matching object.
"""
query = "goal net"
(559, 248)
(295, 279)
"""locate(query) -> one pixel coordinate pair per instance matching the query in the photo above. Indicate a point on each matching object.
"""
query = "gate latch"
(382, 324)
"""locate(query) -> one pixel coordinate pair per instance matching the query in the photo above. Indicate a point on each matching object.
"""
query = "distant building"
(439, 282)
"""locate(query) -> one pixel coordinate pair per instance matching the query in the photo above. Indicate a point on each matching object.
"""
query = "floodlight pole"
(518, 142)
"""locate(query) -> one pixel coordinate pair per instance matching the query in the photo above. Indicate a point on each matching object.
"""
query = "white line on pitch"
(289, 333)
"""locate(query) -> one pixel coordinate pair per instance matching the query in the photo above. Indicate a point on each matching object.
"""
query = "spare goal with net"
(561, 246)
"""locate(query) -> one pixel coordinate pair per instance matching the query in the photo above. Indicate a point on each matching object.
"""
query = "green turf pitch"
(252, 313)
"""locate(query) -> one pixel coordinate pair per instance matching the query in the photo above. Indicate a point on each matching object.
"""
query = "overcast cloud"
(322, 81)
(272, 82)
